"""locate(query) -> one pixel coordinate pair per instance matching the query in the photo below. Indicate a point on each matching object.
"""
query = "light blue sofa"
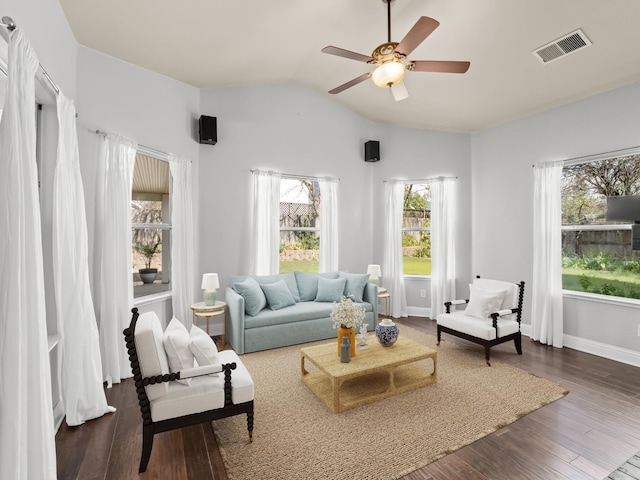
(306, 320)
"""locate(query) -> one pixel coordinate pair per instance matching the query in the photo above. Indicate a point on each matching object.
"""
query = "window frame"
(164, 226)
(593, 296)
(417, 229)
(315, 229)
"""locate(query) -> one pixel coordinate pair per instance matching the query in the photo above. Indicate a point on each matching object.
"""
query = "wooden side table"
(383, 294)
(200, 310)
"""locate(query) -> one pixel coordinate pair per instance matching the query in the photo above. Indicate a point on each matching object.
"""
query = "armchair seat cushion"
(476, 327)
(204, 393)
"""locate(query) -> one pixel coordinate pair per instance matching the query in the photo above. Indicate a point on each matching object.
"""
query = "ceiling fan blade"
(421, 30)
(351, 83)
(399, 91)
(441, 66)
(341, 52)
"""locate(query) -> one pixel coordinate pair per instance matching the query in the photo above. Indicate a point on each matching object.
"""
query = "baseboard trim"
(622, 355)
(419, 312)
(618, 354)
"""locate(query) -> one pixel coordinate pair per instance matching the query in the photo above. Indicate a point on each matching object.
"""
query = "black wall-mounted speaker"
(372, 151)
(208, 132)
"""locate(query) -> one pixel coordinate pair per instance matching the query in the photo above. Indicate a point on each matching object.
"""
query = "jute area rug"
(630, 470)
(297, 437)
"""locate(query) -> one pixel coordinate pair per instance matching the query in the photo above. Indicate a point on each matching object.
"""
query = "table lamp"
(209, 284)
(374, 274)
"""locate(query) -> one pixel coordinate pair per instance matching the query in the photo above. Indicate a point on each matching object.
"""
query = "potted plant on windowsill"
(148, 251)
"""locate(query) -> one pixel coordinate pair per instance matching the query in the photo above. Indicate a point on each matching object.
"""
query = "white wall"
(288, 129)
(294, 130)
(502, 176)
(46, 27)
(150, 109)
(408, 153)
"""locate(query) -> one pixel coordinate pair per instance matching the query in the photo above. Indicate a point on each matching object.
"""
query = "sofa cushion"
(482, 302)
(354, 287)
(297, 313)
(289, 279)
(204, 393)
(308, 284)
(203, 347)
(278, 295)
(330, 290)
(511, 293)
(254, 299)
(176, 345)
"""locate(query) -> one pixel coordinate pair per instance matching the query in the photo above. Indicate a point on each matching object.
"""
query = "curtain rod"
(9, 25)
(421, 180)
(141, 148)
(598, 156)
(292, 176)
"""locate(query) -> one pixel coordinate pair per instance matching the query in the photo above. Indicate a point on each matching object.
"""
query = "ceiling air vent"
(561, 47)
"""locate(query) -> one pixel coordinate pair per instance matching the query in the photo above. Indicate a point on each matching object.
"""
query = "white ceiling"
(211, 43)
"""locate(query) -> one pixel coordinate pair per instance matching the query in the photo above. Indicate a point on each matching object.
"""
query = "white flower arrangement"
(347, 314)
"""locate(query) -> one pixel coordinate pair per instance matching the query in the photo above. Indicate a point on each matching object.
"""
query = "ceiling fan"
(390, 58)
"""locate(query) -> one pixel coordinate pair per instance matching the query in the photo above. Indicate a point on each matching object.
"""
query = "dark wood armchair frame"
(149, 427)
(516, 336)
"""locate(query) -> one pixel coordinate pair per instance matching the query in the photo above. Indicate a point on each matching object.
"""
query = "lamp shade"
(210, 281)
(374, 271)
(388, 74)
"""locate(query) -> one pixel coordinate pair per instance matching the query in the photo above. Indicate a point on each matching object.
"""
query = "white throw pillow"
(203, 347)
(176, 345)
(482, 302)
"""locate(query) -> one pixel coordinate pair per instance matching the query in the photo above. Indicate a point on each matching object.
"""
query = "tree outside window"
(416, 230)
(596, 254)
(299, 225)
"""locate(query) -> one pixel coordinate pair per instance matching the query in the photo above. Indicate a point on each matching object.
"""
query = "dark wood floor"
(585, 435)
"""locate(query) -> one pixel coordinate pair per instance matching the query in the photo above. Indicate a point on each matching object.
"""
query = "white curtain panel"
(443, 258)
(392, 268)
(546, 312)
(328, 224)
(115, 279)
(82, 392)
(27, 442)
(265, 241)
(182, 255)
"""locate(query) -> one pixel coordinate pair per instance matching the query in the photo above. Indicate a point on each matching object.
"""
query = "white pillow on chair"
(482, 302)
(176, 345)
(203, 347)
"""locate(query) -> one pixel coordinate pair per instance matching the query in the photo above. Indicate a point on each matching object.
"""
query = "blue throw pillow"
(355, 285)
(289, 280)
(308, 284)
(278, 295)
(330, 290)
(254, 299)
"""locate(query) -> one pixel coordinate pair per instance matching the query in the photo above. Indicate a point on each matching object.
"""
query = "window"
(416, 226)
(151, 222)
(299, 225)
(597, 253)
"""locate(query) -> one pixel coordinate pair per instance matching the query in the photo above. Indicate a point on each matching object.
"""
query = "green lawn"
(416, 266)
(311, 266)
(621, 284)
(412, 266)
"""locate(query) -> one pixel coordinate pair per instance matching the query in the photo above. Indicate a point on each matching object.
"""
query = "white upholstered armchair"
(170, 398)
(492, 315)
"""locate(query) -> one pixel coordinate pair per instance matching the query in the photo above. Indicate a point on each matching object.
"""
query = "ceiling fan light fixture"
(388, 74)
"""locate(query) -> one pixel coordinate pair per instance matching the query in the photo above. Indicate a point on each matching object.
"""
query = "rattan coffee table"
(374, 373)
